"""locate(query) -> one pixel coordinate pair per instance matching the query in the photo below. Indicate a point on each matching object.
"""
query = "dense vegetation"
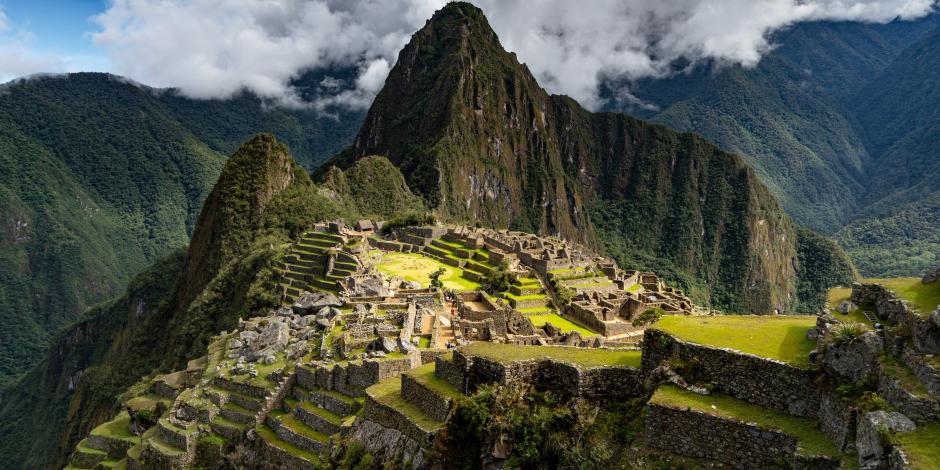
(100, 177)
(839, 120)
(261, 200)
(820, 263)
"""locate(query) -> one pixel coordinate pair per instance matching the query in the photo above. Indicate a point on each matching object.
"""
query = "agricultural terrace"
(812, 440)
(507, 353)
(780, 337)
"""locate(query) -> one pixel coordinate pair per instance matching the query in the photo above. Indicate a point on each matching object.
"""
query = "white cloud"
(214, 48)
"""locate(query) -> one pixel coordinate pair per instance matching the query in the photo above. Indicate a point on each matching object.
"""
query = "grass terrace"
(425, 375)
(925, 297)
(118, 428)
(586, 357)
(812, 441)
(921, 446)
(836, 295)
(418, 268)
(388, 393)
(780, 337)
(561, 322)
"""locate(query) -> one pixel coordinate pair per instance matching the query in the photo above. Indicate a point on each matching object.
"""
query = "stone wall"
(431, 403)
(924, 327)
(448, 371)
(740, 445)
(838, 420)
(390, 418)
(764, 382)
(352, 378)
(467, 373)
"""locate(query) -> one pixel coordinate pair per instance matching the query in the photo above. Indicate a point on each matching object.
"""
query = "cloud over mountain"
(210, 48)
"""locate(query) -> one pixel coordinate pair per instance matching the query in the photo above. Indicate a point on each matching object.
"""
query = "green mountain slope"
(261, 200)
(475, 134)
(823, 119)
(100, 177)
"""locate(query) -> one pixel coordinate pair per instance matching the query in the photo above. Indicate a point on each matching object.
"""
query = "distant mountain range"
(840, 121)
(100, 177)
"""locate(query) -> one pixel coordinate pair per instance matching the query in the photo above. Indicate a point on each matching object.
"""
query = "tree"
(436, 278)
(499, 279)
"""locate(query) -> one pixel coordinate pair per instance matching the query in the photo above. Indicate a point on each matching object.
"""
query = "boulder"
(870, 441)
(931, 276)
(927, 334)
(305, 321)
(383, 344)
(372, 286)
(248, 337)
(324, 323)
(284, 312)
(275, 335)
(309, 303)
(551, 330)
(410, 285)
(406, 346)
(856, 361)
(846, 306)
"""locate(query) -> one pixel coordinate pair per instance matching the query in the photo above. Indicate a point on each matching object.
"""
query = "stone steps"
(237, 413)
(429, 393)
(524, 303)
(183, 439)
(289, 429)
(291, 456)
(85, 456)
(318, 418)
(332, 401)
(229, 430)
(386, 406)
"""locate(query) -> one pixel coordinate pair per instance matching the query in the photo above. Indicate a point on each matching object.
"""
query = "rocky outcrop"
(931, 276)
(871, 440)
(855, 361)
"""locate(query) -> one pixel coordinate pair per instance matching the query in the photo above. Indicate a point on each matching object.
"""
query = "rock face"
(311, 303)
(931, 276)
(869, 442)
(855, 361)
(475, 134)
(846, 306)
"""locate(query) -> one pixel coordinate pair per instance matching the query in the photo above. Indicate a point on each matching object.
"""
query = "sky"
(216, 48)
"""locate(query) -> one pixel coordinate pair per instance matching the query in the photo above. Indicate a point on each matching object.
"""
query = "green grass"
(561, 322)
(535, 310)
(836, 295)
(417, 268)
(147, 402)
(781, 337)
(299, 427)
(271, 438)
(922, 446)
(527, 297)
(425, 376)
(587, 357)
(905, 375)
(118, 428)
(321, 412)
(634, 288)
(925, 297)
(424, 342)
(388, 393)
(812, 441)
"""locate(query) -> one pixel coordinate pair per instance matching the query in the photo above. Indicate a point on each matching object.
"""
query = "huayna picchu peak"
(487, 275)
(475, 134)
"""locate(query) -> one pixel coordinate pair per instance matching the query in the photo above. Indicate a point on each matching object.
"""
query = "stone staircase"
(106, 445)
(474, 261)
(316, 262)
(528, 296)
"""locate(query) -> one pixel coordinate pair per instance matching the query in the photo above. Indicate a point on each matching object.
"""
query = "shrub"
(411, 219)
(436, 278)
(564, 294)
(847, 333)
(648, 316)
(499, 279)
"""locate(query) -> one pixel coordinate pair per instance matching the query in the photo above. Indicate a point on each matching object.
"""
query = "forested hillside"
(837, 121)
(261, 200)
(100, 177)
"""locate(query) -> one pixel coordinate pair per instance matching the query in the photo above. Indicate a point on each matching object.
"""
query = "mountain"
(479, 139)
(806, 119)
(897, 232)
(261, 200)
(100, 177)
